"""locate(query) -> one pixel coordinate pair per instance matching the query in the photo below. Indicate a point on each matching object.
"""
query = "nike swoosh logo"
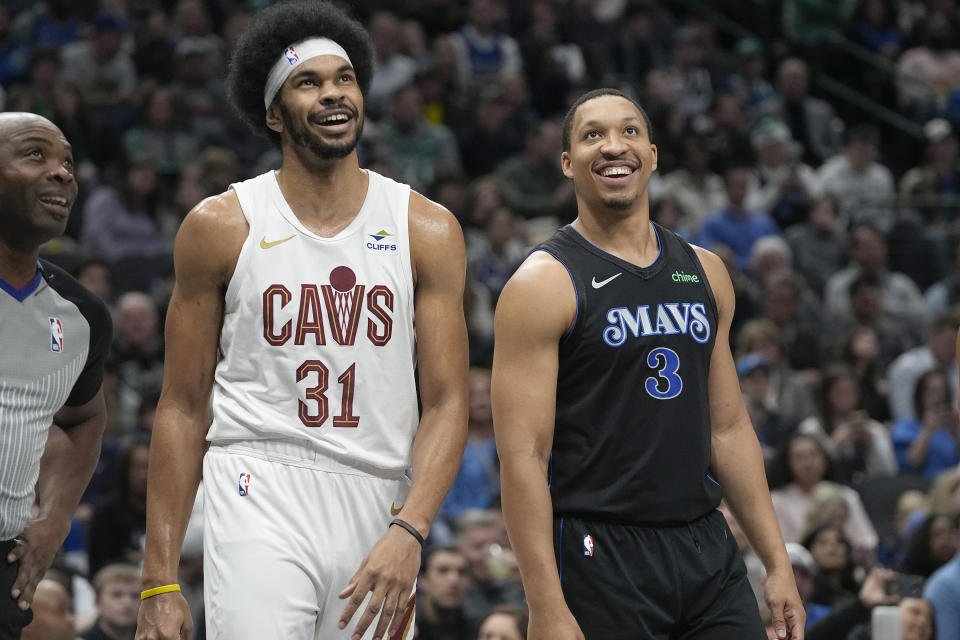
(394, 509)
(597, 285)
(267, 245)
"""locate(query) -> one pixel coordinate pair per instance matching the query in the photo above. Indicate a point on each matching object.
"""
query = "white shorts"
(285, 529)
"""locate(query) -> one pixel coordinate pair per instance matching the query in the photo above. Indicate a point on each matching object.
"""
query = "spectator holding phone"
(927, 444)
(879, 589)
(859, 445)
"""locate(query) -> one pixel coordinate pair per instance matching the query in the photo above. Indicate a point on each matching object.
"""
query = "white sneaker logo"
(597, 285)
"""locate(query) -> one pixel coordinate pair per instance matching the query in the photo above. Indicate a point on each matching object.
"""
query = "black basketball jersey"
(631, 441)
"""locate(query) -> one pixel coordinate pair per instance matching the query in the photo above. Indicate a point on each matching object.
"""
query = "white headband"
(295, 55)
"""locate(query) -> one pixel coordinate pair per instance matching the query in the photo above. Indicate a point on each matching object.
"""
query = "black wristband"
(412, 530)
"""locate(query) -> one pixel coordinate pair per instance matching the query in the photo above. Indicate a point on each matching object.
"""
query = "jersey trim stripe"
(24, 293)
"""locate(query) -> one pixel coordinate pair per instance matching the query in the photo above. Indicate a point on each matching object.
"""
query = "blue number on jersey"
(666, 362)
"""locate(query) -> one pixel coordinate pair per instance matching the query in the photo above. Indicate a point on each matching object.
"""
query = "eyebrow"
(44, 141)
(596, 123)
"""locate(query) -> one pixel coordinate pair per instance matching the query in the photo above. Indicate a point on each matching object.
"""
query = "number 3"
(666, 362)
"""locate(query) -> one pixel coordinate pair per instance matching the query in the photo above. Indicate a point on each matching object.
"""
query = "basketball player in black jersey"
(619, 420)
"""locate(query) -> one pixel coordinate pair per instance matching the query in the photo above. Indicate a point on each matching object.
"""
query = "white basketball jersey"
(318, 340)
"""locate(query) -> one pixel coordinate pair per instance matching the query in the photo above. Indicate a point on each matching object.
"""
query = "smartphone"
(905, 585)
(885, 624)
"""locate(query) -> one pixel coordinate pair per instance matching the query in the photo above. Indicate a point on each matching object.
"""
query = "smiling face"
(320, 108)
(611, 157)
(37, 187)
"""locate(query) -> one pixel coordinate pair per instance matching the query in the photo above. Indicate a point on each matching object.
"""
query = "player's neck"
(324, 196)
(17, 266)
(627, 235)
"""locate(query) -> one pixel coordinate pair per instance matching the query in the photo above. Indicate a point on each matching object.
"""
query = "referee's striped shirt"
(54, 335)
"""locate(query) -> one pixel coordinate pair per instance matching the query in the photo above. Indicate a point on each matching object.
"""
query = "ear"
(273, 119)
(565, 164)
(653, 149)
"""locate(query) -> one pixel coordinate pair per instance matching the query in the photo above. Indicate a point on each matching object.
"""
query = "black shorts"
(667, 583)
(12, 620)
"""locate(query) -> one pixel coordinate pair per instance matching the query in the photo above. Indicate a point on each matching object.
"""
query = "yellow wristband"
(167, 588)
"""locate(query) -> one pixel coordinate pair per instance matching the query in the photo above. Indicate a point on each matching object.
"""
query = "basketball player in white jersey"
(299, 298)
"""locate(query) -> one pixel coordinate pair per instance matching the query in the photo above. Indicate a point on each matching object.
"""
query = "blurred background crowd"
(810, 143)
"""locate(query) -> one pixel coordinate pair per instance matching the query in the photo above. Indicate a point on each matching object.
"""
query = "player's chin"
(619, 202)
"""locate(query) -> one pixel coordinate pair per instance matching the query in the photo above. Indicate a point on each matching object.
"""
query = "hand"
(164, 617)
(842, 435)
(873, 592)
(35, 549)
(786, 609)
(553, 625)
(932, 418)
(389, 572)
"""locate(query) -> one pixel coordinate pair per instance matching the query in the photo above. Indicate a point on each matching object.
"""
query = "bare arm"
(207, 245)
(439, 264)
(440, 267)
(737, 460)
(68, 461)
(535, 310)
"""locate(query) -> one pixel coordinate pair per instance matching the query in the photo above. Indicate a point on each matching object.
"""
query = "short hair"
(432, 551)
(597, 93)
(117, 572)
(756, 329)
(519, 614)
(868, 226)
(474, 519)
(276, 28)
(770, 243)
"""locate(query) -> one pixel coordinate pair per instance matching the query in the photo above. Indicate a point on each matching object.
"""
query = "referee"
(53, 338)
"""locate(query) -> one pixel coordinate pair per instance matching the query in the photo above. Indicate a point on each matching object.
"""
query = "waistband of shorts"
(662, 524)
(301, 453)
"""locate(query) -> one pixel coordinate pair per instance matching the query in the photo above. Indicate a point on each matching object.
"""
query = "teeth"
(616, 171)
(337, 117)
(55, 200)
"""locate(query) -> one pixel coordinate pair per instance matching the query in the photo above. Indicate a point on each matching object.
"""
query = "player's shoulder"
(432, 219)
(91, 307)
(539, 300)
(541, 269)
(211, 237)
(540, 278)
(216, 214)
(216, 222)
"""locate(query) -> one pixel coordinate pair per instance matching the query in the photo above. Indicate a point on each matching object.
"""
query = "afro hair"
(273, 30)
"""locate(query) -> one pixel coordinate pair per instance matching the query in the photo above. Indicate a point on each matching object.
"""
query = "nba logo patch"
(292, 56)
(588, 545)
(56, 335)
(244, 484)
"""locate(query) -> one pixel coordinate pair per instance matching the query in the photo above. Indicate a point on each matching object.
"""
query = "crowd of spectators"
(840, 231)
